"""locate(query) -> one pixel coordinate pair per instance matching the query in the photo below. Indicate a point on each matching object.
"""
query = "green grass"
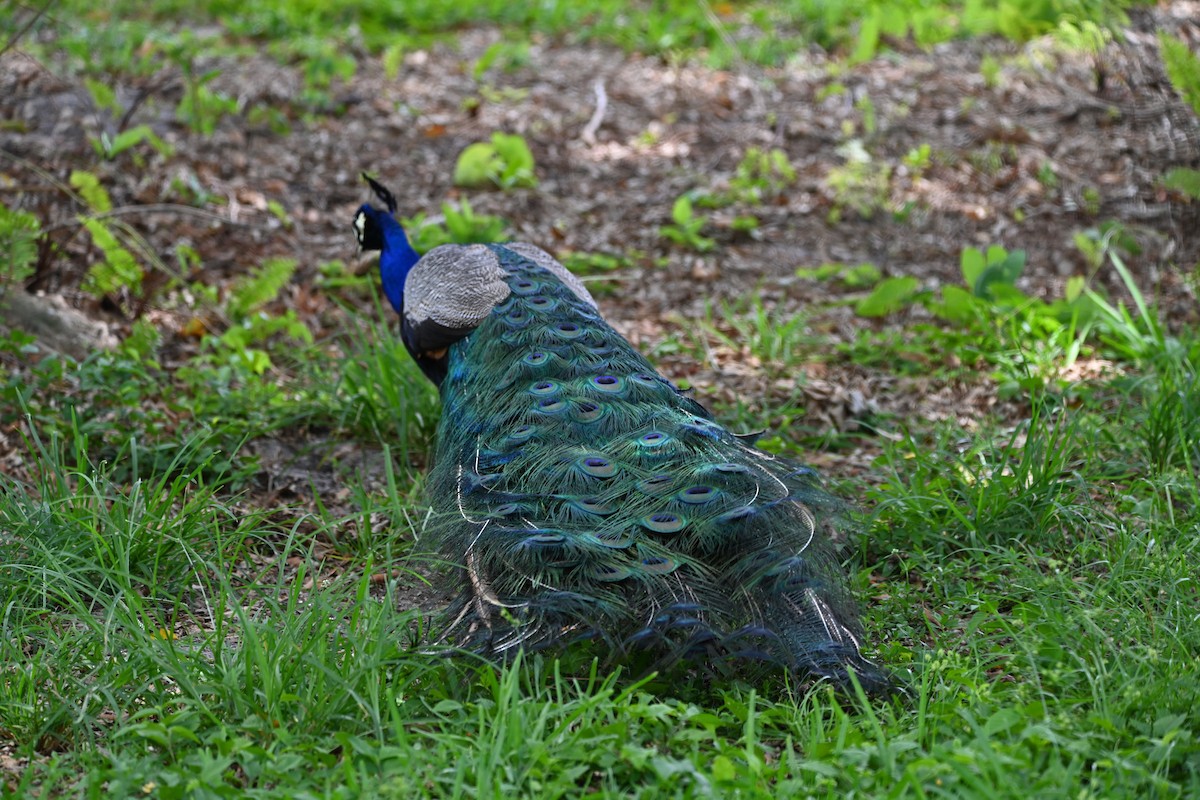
(123, 37)
(1032, 585)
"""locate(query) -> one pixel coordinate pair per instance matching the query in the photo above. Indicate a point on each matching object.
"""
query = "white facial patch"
(360, 226)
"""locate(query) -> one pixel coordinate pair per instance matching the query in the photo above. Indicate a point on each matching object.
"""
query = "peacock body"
(582, 496)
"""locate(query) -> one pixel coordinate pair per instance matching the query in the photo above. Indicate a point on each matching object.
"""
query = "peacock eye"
(522, 433)
(609, 384)
(535, 358)
(597, 467)
(697, 494)
(663, 522)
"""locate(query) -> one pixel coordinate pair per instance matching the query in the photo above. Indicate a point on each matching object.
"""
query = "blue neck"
(396, 258)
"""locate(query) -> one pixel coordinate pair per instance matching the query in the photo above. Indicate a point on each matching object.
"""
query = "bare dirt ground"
(1107, 128)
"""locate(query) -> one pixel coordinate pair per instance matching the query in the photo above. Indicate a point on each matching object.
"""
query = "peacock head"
(377, 229)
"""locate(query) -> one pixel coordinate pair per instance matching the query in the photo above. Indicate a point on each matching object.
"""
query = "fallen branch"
(55, 324)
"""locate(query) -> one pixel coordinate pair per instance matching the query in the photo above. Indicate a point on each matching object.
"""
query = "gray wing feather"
(456, 286)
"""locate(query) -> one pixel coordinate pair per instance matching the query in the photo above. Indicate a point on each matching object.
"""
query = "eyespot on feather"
(567, 330)
(543, 539)
(615, 539)
(697, 495)
(663, 522)
(659, 565)
(550, 405)
(653, 439)
(592, 506)
(586, 411)
(609, 573)
(597, 467)
(522, 433)
(609, 384)
(542, 305)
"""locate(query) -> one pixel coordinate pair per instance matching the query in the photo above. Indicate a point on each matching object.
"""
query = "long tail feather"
(585, 497)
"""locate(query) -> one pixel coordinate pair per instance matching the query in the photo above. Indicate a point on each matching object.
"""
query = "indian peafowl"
(583, 496)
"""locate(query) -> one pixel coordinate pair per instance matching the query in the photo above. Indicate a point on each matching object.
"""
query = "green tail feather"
(584, 497)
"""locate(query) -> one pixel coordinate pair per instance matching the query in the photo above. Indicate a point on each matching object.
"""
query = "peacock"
(583, 497)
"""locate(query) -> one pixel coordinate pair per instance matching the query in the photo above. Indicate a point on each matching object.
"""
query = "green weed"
(1183, 68)
(761, 176)
(109, 148)
(19, 234)
(859, 276)
(861, 184)
(505, 161)
(686, 226)
(918, 160)
(459, 226)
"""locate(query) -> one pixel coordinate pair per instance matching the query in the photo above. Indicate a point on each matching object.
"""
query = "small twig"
(16, 37)
(153, 208)
(143, 94)
(589, 130)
